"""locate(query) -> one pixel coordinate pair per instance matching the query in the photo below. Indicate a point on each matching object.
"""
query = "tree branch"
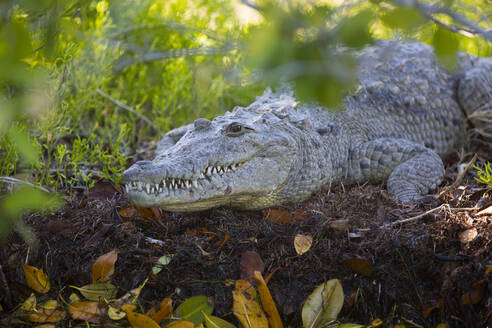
(251, 4)
(128, 108)
(154, 56)
(461, 24)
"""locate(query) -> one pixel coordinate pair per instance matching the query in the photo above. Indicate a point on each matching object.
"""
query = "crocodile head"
(243, 159)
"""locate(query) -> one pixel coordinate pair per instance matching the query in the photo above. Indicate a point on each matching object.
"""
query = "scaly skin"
(404, 115)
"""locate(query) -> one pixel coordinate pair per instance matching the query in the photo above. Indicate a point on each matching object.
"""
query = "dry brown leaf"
(103, 268)
(246, 308)
(468, 235)
(36, 279)
(429, 307)
(135, 212)
(45, 315)
(165, 310)
(360, 265)
(87, 311)
(267, 302)
(339, 225)
(277, 216)
(476, 295)
(138, 320)
(302, 243)
(485, 211)
(45, 325)
(250, 262)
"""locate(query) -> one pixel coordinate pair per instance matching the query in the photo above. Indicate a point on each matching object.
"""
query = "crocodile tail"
(475, 96)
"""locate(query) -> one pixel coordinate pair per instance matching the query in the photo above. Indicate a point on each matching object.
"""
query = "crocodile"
(405, 114)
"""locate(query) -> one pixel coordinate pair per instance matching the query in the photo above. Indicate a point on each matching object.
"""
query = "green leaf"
(216, 322)
(446, 46)
(28, 198)
(23, 145)
(403, 18)
(191, 309)
(98, 291)
(162, 261)
(355, 31)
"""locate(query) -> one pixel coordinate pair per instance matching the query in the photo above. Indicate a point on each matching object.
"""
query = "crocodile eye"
(236, 129)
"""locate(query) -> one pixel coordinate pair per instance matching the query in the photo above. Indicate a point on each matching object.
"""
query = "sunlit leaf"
(376, 322)
(246, 308)
(74, 298)
(181, 324)
(355, 30)
(138, 320)
(323, 305)
(87, 311)
(27, 198)
(216, 322)
(29, 304)
(268, 302)
(115, 313)
(97, 291)
(36, 279)
(103, 268)
(129, 307)
(162, 261)
(468, 235)
(403, 18)
(446, 46)
(191, 309)
(302, 243)
(165, 310)
(284, 217)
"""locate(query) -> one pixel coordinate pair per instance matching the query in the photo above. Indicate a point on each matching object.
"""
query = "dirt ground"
(415, 264)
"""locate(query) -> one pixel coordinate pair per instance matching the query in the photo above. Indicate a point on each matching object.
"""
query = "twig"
(460, 177)
(154, 56)
(128, 108)
(173, 25)
(414, 218)
(11, 180)
(470, 29)
(7, 295)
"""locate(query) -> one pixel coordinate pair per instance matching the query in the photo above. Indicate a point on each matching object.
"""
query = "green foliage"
(484, 175)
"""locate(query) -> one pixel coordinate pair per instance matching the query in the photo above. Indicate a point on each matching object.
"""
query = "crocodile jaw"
(246, 185)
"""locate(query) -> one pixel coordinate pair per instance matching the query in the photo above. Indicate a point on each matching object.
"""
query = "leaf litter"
(411, 263)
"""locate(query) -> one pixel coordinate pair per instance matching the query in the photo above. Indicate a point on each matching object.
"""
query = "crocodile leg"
(475, 96)
(412, 168)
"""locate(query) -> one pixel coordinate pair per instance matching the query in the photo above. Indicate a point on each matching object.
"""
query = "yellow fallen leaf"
(129, 307)
(323, 305)
(97, 291)
(246, 308)
(36, 279)
(376, 322)
(29, 304)
(138, 320)
(165, 310)
(351, 325)
(115, 313)
(45, 325)
(1, 308)
(181, 324)
(302, 243)
(87, 311)
(103, 268)
(216, 322)
(488, 270)
(74, 298)
(132, 295)
(400, 326)
(49, 305)
(441, 325)
(46, 315)
(267, 302)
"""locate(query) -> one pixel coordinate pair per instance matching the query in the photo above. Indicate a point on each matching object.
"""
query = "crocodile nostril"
(143, 163)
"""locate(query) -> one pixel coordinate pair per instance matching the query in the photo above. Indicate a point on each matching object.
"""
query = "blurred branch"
(154, 56)
(128, 108)
(461, 24)
(251, 4)
(173, 25)
(15, 181)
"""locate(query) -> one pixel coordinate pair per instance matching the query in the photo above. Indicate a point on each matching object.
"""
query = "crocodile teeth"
(139, 186)
(195, 183)
(147, 188)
